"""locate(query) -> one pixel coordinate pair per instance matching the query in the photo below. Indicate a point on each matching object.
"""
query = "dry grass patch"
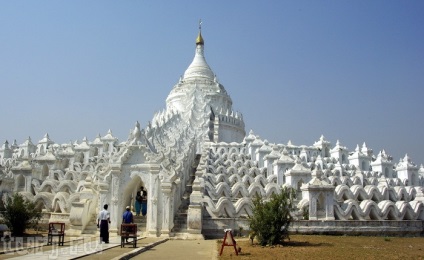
(330, 247)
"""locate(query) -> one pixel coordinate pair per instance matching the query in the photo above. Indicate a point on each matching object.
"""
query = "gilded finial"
(199, 39)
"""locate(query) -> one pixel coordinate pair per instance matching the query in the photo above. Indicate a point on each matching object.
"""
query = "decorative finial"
(199, 39)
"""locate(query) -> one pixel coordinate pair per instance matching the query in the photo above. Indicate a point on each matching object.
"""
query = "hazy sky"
(350, 70)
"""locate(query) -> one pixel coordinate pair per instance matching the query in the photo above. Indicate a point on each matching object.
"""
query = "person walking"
(103, 221)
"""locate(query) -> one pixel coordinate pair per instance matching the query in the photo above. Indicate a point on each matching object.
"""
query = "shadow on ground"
(306, 244)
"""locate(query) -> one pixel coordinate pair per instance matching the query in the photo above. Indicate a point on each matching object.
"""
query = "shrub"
(271, 219)
(19, 214)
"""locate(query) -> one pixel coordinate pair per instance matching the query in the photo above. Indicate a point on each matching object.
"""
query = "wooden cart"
(128, 231)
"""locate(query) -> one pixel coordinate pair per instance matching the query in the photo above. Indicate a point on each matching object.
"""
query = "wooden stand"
(128, 231)
(56, 229)
(228, 241)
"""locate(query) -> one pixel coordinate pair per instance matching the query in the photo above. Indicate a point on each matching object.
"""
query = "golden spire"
(199, 39)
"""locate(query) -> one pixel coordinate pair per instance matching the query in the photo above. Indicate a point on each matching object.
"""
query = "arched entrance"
(130, 192)
(130, 184)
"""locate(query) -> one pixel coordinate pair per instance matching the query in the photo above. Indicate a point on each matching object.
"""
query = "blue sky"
(350, 70)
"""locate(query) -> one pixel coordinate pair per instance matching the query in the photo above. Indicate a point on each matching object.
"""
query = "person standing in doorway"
(144, 203)
(103, 221)
(137, 203)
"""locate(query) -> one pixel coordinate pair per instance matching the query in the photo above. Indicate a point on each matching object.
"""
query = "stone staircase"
(141, 224)
(180, 219)
(180, 223)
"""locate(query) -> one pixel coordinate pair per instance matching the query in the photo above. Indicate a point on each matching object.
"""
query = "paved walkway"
(90, 248)
(182, 250)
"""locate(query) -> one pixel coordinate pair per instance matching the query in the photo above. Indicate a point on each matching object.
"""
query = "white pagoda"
(201, 172)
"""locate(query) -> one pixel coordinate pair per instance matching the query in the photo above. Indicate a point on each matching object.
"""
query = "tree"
(271, 218)
(19, 214)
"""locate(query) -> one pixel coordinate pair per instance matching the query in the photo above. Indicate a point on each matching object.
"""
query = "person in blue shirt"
(127, 217)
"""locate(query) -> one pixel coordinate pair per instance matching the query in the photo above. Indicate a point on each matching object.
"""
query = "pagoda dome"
(198, 67)
(199, 76)
(204, 102)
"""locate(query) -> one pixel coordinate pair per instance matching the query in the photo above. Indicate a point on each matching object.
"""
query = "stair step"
(180, 230)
